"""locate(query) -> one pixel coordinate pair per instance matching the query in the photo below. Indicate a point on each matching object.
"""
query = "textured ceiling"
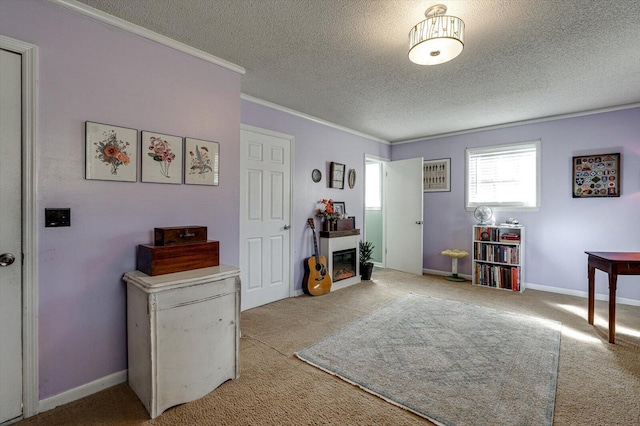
(345, 61)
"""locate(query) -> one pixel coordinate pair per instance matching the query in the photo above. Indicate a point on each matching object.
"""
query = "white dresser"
(183, 334)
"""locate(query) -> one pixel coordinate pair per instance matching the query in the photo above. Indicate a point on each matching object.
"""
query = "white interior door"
(10, 236)
(404, 210)
(265, 217)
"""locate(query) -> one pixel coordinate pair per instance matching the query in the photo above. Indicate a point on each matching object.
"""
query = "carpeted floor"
(598, 383)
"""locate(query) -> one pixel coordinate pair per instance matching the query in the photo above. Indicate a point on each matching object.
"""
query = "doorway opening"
(374, 229)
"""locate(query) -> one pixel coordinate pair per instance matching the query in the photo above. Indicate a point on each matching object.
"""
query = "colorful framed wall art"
(111, 152)
(161, 158)
(595, 176)
(202, 162)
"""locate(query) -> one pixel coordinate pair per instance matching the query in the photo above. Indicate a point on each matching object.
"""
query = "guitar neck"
(315, 246)
(315, 242)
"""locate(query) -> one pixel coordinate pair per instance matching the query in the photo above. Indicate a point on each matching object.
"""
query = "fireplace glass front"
(344, 264)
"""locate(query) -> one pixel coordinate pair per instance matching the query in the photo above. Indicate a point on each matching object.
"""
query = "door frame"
(292, 141)
(30, 381)
(368, 158)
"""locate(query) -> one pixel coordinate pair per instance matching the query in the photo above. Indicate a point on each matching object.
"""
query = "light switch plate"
(57, 217)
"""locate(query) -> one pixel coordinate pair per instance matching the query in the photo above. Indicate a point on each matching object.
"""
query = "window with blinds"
(504, 176)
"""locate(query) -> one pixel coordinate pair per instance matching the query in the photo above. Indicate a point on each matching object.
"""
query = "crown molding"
(106, 18)
(271, 105)
(519, 123)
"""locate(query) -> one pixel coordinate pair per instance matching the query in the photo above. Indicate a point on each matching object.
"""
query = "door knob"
(419, 222)
(6, 259)
(287, 227)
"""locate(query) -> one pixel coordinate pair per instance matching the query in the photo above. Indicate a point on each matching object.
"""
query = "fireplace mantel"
(337, 234)
(332, 241)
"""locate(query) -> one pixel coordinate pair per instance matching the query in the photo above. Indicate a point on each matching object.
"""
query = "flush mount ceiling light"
(437, 39)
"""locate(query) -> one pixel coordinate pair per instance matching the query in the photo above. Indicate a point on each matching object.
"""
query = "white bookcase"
(498, 257)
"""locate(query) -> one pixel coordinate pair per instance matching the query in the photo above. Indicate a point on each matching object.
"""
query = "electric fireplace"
(340, 248)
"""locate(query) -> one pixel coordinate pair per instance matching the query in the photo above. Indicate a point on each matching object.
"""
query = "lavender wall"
(564, 227)
(91, 71)
(316, 145)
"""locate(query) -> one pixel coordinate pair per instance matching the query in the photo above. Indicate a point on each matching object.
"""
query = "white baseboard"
(444, 273)
(82, 391)
(558, 290)
(583, 294)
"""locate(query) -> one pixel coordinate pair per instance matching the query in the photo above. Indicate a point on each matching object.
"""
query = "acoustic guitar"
(316, 278)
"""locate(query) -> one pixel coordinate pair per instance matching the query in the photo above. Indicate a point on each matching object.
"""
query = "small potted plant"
(366, 254)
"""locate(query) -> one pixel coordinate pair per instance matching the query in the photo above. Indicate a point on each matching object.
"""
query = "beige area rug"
(450, 362)
(598, 383)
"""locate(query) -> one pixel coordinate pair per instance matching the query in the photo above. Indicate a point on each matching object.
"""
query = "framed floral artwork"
(111, 152)
(161, 158)
(201, 162)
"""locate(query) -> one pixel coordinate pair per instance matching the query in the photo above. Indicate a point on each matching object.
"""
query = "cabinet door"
(195, 348)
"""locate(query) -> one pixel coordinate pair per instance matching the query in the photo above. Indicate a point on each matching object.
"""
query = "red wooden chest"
(159, 260)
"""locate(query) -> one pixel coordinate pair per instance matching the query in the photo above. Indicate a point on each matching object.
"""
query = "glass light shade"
(436, 40)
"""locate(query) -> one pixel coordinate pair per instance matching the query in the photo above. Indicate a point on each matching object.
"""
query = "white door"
(10, 236)
(265, 217)
(404, 210)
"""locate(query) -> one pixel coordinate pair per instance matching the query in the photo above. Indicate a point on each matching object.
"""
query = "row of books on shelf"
(506, 277)
(496, 235)
(496, 253)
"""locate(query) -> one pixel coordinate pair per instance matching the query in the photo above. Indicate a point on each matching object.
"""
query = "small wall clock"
(316, 175)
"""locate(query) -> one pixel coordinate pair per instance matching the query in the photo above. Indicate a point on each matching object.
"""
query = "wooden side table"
(614, 264)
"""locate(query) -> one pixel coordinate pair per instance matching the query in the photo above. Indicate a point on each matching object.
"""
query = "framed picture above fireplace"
(337, 175)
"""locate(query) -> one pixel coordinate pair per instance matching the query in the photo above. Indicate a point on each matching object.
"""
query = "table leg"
(613, 278)
(591, 273)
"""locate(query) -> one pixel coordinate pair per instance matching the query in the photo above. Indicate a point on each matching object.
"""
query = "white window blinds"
(504, 176)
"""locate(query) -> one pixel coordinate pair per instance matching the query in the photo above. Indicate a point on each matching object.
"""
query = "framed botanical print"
(161, 158)
(111, 152)
(596, 176)
(337, 175)
(436, 175)
(202, 162)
